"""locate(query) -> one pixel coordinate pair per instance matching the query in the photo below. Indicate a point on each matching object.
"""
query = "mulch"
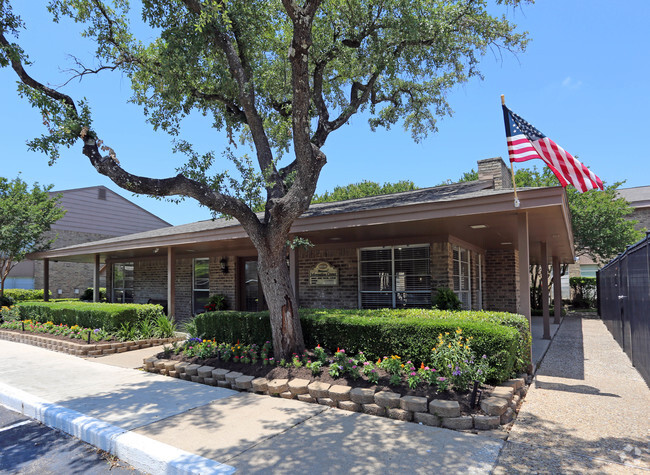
(260, 370)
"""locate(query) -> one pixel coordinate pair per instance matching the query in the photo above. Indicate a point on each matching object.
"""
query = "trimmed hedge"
(24, 295)
(109, 316)
(412, 333)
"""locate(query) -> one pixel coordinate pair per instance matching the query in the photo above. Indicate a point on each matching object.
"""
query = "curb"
(141, 452)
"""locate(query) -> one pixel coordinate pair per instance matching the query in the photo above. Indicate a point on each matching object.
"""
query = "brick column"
(46, 279)
(96, 279)
(171, 281)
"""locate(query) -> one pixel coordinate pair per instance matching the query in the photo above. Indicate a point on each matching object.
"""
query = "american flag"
(525, 142)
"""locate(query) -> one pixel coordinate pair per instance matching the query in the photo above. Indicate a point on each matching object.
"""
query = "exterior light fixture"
(478, 226)
(223, 263)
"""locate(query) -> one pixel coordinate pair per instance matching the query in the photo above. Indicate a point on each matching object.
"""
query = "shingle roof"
(440, 193)
(638, 196)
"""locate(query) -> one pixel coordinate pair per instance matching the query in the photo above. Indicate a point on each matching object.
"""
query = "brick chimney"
(495, 169)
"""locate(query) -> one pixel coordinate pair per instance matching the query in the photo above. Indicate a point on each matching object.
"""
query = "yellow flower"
(459, 331)
(446, 333)
(449, 345)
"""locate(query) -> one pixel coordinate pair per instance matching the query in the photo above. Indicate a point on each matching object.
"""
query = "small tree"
(363, 189)
(25, 216)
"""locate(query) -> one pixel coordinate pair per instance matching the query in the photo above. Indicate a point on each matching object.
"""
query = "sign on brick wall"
(324, 274)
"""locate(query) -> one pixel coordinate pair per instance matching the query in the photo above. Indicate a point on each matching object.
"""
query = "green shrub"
(411, 333)
(6, 301)
(584, 291)
(108, 316)
(232, 326)
(88, 294)
(23, 295)
(446, 299)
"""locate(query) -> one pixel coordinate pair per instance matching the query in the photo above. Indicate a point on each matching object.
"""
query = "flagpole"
(512, 170)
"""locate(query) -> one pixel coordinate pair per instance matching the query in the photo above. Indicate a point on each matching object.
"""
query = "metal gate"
(624, 302)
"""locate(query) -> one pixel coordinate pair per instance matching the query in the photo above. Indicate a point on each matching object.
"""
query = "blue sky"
(583, 81)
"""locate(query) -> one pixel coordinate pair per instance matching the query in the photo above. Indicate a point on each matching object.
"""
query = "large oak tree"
(282, 74)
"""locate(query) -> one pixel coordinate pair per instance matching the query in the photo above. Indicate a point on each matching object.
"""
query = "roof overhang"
(483, 222)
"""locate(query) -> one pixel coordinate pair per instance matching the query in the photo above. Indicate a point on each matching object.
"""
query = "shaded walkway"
(587, 410)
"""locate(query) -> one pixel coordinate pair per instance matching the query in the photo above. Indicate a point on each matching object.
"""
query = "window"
(394, 277)
(123, 282)
(461, 276)
(19, 283)
(200, 284)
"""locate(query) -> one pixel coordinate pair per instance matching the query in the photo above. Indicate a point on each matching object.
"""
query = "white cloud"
(570, 83)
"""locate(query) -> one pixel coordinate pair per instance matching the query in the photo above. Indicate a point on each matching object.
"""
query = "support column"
(293, 272)
(96, 279)
(524, 273)
(46, 279)
(546, 316)
(171, 281)
(557, 290)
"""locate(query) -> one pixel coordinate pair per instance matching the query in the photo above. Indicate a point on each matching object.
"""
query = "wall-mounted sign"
(324, 274)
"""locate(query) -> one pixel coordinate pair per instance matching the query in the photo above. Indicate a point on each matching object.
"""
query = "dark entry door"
(252, 298)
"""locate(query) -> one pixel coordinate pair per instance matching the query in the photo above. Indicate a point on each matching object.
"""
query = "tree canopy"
(25, 216)
(363, 189)
(277, 75)
(601, 228)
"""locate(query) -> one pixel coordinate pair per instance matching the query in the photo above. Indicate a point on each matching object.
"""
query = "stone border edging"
(500, 406)
(143, 453)
(82, 349)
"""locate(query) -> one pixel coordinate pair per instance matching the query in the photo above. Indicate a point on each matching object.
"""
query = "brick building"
(92, 214)
(384, 251)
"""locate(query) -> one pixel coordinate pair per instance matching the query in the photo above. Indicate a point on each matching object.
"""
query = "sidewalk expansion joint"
(226, 460)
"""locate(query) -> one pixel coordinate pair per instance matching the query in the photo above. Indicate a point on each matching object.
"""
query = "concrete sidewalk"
(587, 410)
(165, 425)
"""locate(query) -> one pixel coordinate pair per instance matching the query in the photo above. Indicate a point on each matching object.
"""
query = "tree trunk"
(278, 291)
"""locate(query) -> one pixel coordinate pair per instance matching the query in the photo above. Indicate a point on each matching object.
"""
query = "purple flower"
(484, 357)
(441, 378)
(413, 373)
(96, 330)
(449, 366)
(426, 368)
(373, 370)
(365, 363)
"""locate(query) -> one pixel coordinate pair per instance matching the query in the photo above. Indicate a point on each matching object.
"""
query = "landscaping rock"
(486, 422)
(220, 374)
(349, 406)
(230, 377)
(387, 399)
(318, 390)
(244, 382)
(149, 362)
(298, 386)
(180, 367)
(205, 371)
(443, 408)
(494, 406)
(192, 369)
(362, 395)
(426, 419)
(186, 377)
(458, 423)
(170, 366)
(278, 386)
(306, 398)
(507, 416)
(260, 385)
(173, 374)
(374, 409)
(287, 395)
(516, 383)
(210, 381)
(413, 403)
(223, 383)
(340, 393)
(195, 379)
(325, 401)
(159, 364)
(399, 414)
(505, 392)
